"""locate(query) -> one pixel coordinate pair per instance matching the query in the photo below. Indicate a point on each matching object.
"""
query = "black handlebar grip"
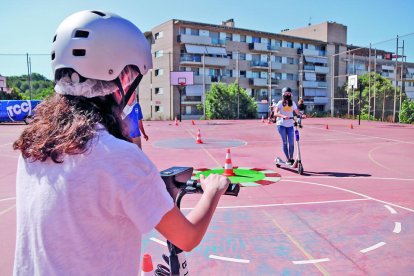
(232, 189)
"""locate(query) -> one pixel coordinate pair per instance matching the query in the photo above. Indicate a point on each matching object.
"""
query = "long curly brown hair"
(66, 124)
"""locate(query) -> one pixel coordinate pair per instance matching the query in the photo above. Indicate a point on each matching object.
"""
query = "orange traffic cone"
(352, 127)
(176, 121)
(228, 167)
(327, 127)
(147, 267)
(199, 138)
(263, 119)
(192, 121)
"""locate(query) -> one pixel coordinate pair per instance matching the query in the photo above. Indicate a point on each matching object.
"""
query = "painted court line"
(314, 261)
(392, 210)
(7, 198)
(352, 192)
(229, 259)
(8, 209)
(375, 246)
(397, 227)
(158, 241)
(286, 204)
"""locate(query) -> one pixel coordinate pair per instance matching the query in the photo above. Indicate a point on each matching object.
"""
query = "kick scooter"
(297, 164)
(179, 183)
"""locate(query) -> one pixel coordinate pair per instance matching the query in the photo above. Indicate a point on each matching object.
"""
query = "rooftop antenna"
(310, 18)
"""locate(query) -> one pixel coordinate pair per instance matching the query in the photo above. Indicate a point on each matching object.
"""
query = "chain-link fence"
(385, 74)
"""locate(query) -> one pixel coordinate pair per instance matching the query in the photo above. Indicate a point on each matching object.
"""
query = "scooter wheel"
(300, 169)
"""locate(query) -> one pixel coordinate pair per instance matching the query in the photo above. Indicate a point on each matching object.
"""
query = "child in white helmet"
(85, 194)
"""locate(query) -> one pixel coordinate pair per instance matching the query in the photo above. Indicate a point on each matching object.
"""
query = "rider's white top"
(285, 110)
(87, 215)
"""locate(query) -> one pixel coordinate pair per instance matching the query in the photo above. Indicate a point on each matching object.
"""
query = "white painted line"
(353, 192)
(397, 227)
(8, 209)
(315, 261)
(158, 241)
(375, 246)
(287, 204)
(8, 198)
(229, 259)
(392, 211)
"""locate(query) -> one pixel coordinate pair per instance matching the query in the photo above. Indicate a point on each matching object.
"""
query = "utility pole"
(29, 73)
(402, 82)
(333, 84)
(369, 83)
(375, 78)
(204, 86)
(237, 81)
(270, 81)
(396, 82)
(353, 90)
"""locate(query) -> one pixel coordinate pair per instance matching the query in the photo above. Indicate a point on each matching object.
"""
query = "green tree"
(407, 112)
(41, 87)
(221, 102)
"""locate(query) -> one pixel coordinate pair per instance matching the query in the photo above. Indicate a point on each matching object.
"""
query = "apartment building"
(260, 62)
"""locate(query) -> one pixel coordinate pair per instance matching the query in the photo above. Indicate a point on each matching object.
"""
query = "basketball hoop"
(182, 84)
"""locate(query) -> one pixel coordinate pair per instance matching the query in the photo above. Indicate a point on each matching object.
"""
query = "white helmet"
(99, 45)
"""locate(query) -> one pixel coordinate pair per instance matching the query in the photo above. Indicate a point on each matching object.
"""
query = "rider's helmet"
(286, 90)
(98, 46)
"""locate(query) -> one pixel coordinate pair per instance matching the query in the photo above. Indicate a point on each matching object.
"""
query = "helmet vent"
(79, 52)
(99, 13)
(80, 33)
(54, 38)
(53, 56)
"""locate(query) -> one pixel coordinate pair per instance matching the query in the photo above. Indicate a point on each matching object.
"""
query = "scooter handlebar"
(232, 190)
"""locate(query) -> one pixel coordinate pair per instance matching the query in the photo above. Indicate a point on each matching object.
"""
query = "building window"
(229, 37)
(291, 76)
(159, 90)
(159, 35)
(159, 53)
(242, 74)
(159, 72)
(291, 60)
(194, 32)
(242, 38)
(242, 56)
(255, 39)
(159, 108)
(289, 44)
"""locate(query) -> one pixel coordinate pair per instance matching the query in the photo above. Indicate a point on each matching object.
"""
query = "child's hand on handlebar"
(214, 183)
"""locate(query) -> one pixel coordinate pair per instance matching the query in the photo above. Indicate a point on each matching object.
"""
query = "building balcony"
(258, 82)
(310, 52)
(315, 84)
(217, 61)
(258, 47)
(194, 39)
(320, 100)
(188, 59)
(199, 79)
(409, 89)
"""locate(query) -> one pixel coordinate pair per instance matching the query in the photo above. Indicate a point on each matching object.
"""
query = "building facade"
(262, 63)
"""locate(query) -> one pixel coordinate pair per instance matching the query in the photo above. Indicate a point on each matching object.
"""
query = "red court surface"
(350, 213)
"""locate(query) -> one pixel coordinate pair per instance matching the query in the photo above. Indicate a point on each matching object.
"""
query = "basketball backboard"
(353, 82)
(183, 78)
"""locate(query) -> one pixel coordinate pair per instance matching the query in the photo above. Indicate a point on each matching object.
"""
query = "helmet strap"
(126, 96)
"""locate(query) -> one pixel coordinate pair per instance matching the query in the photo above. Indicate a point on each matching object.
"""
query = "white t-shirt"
(86, 216)
(285, 110)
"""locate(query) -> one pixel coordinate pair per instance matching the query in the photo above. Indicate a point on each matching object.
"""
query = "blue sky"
(27, 26)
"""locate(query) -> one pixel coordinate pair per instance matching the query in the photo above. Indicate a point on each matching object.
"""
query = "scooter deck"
(279, 161)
